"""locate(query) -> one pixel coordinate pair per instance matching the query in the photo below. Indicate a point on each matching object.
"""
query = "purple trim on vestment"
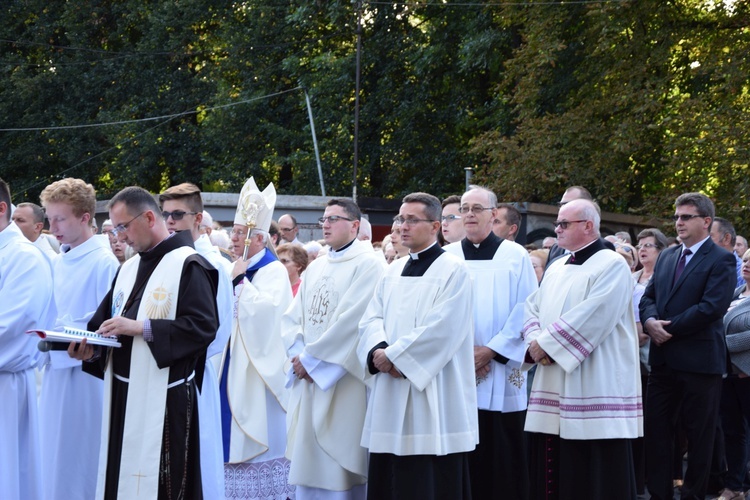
(569, 341)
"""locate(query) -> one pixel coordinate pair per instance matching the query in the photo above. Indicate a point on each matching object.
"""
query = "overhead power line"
(149, 119)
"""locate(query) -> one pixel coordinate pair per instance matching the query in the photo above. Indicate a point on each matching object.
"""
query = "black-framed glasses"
(409, 222)
(450, 218)
(685, 217)
(288, 229)
(565, 223)
(475, 209)
(121, 228)
(333, 219)
(176, 214)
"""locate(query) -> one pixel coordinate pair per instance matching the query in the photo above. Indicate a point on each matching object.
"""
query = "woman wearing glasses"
(650, 244)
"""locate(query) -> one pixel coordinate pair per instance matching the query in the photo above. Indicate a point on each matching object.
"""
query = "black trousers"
(695, 397)
(427, 477)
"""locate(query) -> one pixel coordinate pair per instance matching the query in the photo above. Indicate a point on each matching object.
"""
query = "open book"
(75, 335)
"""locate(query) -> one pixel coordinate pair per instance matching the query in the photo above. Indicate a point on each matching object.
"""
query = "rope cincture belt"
(173, 384)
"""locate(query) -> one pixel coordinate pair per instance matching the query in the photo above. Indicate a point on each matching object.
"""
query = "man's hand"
(299, 370)
(240, 267)
(482, 358)
(538, 354)
(81, 351)
(382, 363)
(655, 329)
(121, 326)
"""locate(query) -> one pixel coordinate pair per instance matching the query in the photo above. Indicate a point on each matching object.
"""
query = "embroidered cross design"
(138, 488)
(516, 377)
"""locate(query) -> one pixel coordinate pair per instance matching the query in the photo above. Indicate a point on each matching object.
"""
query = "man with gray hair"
(585, 402)
(724, 235)
(740, 247)
(502, 277)
(252, 389)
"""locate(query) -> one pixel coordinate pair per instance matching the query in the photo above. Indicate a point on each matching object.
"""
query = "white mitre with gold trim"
(255, 208)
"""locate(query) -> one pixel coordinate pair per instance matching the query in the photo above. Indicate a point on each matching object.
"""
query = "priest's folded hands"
(538, 354)
(382, 363)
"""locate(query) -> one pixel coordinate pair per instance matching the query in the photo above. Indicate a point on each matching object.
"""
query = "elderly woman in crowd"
(294, 257)
(539, 262)
(735, 393)
(650, 244)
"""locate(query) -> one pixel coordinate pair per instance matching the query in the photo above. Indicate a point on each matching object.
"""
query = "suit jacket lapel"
(695, 261)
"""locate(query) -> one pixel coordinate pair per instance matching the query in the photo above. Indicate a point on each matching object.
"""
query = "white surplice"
(325, 418)
(582, 317)
(71, 402)
(26, 304)
(433, 410)
(209, 407)
(501, 286)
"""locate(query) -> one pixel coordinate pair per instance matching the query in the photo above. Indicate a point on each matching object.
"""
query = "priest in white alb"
(502, 278)
(328, 397)
(26, 298)
(417, 350)
(585, 403)
(253, 374)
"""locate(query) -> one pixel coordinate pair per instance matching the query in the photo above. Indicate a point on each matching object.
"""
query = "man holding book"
(157, 307)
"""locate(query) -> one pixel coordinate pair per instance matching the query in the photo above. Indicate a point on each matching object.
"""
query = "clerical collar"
(585, 252)
(335, 254)
(418, 263)
(256, 258)
(416, 256)
(481, 251)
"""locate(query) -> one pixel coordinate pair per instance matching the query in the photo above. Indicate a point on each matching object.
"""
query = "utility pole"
(356, 100)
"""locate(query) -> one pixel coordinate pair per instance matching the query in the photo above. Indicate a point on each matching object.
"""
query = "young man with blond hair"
(82, 275)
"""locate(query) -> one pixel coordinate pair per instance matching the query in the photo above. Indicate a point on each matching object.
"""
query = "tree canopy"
(636, 100)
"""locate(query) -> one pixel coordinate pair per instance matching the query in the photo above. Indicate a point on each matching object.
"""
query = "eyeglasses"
(409, 222)
(332, 219)
(646, 245)
(565, 223)
(476, 209)
(121, 228)
(176, 215)
(450, 218)
(287, 229)
(237, 232)
(685, 217)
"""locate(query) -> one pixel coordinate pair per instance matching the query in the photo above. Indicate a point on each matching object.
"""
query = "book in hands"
(76, 335)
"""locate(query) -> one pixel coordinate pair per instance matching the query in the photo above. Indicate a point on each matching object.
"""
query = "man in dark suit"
(683, 307)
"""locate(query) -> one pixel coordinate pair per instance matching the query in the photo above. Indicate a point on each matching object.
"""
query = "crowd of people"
(446, 362)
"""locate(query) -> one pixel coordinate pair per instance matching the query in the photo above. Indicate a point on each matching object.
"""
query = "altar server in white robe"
(502, 278)
(71, 398)
(253, 396)
(585, 403)
(26, 298)
(182, 209)
(417, 349)
(328, 397)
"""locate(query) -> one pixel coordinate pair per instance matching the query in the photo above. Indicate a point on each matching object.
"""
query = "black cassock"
(179, 344)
